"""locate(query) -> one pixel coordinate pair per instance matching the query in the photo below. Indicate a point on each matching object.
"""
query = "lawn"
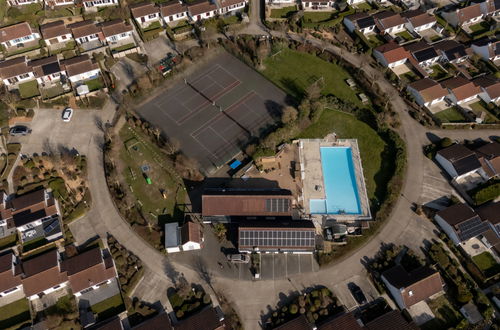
(477, 108)
(316, 17)
(14, 313)
(446, 316)
(410, 76)
(486, 263)
(123, 47)
(364, 6)
(480, 30)
(450, 115)
(294, 72)
(152, 26)
(346, 126)
(405, 35)
(438, 72)
(8, 241)
(94, 84)
(284, 12)
(29, 89)
(109, 307)
(137, 152)
(375, 40)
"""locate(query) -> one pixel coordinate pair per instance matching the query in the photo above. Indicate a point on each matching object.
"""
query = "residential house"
(424, 54)
(58, 3)
(47, 70)
(207, 319)
(427, 92)
(160, 321)
(391, 54)
(464, 16)
(461, 90)
(191, 236)
(298, 323)
(117, 32)
(391, 321)
(490, 7)
(488, 49)
(81, 68)
(87, 34)
(489, 157)
(201, 10)
(389, 22)
(461, 223)
(7, 226)
(222, 205)
(344, 321)
(145, 13)
(56, 35)
(113, 323)
(458, 161)
(228, 7)
(18, 36)
(10, 275)
(490, 88)
(173, 11)
(418, 20)
(410, 288)
(172, 237)
(16, 3)
(297, 236)
(451, 51)
(16, 71)
(490, 213)
(281, 2)
(89, 271)
(36, 215)
(96, 4)
(361, 22)
(318, 5)
(42, 275)
(355, 2)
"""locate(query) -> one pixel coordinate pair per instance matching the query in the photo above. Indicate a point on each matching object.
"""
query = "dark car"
(357, 293)
(19, 130)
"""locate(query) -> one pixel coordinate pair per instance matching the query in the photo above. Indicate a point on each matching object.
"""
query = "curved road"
(250, 298)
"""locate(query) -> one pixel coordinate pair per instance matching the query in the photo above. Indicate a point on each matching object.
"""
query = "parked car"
(238, 258)
(67, 114)
(19, 130)
(356, 292)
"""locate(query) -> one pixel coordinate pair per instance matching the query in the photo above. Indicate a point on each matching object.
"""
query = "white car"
(67, 114)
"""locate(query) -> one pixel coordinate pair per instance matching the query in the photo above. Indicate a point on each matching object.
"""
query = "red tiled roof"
(392, 52)
(467, 13)
(172, 8)
(15, 31)
(461, 87)
(143, 9)
(201, 7)
(429, 89)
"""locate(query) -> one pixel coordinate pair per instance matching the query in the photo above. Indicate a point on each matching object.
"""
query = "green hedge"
(486, 192)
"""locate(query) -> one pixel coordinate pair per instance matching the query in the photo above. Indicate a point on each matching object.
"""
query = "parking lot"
(215, 110)
(342, 292)
(282, 265)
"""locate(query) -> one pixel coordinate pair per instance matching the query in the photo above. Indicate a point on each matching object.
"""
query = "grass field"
(486, 263)
(316, 17)
(477, 108)
(94, 84)
(283, 12)
(446, 316)
(450, 115)
(405, 35)
(345, 125)
(29, 89)
(294, 72)
(14, 313)
(109, 307)
(137, 153)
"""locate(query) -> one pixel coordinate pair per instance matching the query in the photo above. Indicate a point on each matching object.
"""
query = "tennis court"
(216, 110)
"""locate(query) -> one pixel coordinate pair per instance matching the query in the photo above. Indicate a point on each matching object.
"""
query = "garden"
(63, 315)
(316, 305)
(487, 264)
(485, 192)
(108, 307)
(128, 266)
(29, 89)
(446, 316)
(16, 314)
(284, 12)
(450, 115)
(188, 300)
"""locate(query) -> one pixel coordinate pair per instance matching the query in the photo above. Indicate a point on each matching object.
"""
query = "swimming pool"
(339, 181)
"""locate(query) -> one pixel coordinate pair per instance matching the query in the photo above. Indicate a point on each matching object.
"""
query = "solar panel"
(472, 228)
(277, 204)
(277, 238)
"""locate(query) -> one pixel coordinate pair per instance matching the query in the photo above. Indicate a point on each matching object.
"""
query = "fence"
(123, 53)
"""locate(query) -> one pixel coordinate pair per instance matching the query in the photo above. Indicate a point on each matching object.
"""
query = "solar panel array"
(472, 228)
(277, 238)
(277, 205)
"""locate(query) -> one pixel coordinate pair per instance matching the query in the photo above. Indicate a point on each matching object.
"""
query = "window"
(64, 37)
(12, 80)
(152, 16)
(410, 293)
(123, 35)
(207, 14)
(24, 76)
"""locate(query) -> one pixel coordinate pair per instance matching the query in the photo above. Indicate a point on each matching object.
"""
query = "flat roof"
(230, 204)
(172, 238)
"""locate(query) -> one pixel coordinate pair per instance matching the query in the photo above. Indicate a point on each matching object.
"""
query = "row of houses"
(86, 4)
(172, 12)
(471, 14)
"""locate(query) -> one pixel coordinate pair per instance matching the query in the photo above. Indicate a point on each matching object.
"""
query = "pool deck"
(312, 174)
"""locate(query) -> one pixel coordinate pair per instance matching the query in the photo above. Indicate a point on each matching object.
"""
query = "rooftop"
(15, 31)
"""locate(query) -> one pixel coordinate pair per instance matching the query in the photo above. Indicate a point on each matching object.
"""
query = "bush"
(446, 142)
(485, 193)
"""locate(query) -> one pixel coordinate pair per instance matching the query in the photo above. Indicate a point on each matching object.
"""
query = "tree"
(313, 92)
(463, 294)
(446, 142)
(289, 115)
(220, 230)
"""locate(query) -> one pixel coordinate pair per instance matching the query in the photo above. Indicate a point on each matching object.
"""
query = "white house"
(281, 2)
(326, 5)
(231, 6)
(86, 32)
(145, 13)
(173, 11)
(80, 68)
(464, 16)
(490, 88)
(458, 161)
(191, 236)
(461, 90)
(488, 49)
(451, 51)
(56, 34)
(17, 35)
(201, 10)
(58, 3)
(95, 4)
(47, 70)
(15, 3)
(460, 223)
(427, 92)
(424, 54)
(391, 55)
(116, 31)
(172, 237)
(389, 22)
(16, 71)
(410, 288)
(490, 7)
(10, 273)
(417, 20)
(355, 2)
(362, 22)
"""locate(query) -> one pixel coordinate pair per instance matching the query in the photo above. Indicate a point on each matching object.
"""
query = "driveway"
(158, 48)
(282, 265)
(342, 292)
(126, 71)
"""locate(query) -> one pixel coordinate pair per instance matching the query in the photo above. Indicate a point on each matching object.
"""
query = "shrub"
(294, 309)
(485, 193)
(446, 142)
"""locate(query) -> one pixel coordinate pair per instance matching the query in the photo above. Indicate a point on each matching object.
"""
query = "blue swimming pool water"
(339, 180)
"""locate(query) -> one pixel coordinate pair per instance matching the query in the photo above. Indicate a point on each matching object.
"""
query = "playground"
(216, 110)
(151, 181)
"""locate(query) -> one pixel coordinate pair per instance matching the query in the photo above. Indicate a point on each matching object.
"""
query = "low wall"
(123, 53)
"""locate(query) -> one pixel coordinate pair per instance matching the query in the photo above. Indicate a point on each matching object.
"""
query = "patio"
(474, 246)
(54, 89)
(401, 69)
(122, 42)
(470, 181)
(91, 45)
